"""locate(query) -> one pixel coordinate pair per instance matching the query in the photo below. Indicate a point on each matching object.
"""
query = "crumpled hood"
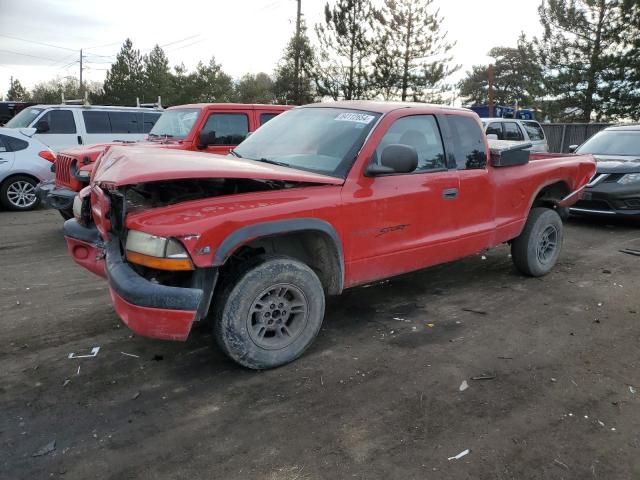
(617, 164)
(131, 165)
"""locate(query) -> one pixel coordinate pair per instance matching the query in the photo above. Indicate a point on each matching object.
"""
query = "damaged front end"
(156, 286)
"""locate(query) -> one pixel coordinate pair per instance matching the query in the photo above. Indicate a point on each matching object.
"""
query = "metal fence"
(562, 135)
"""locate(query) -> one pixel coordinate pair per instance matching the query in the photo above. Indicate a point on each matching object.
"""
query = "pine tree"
(517, 77)
(157, 76)
(210, 83)
(125, 80)
(288, 89)
(255, 89)
(580, 51)
(345, 50)
(412, 51)
(17, 92)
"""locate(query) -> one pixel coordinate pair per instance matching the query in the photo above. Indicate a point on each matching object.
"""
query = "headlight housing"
(156, 252)
(629, 178)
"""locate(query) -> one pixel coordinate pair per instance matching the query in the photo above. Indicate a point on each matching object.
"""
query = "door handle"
(450, 193)
(79, 140)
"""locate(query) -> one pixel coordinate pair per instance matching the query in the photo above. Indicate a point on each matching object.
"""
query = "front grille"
(63, 169)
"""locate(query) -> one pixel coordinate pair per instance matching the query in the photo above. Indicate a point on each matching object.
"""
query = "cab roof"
(232, 106)
(384, 107)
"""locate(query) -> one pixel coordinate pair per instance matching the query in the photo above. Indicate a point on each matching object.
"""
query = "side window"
(495, 128)
(512, 131)
(420, 132)
(12, 144)
(96, 122)
(265, 117)
(147, 120)
(468, 139)
(60, 121)
(228, 128)
(124, 122)
(534, 130)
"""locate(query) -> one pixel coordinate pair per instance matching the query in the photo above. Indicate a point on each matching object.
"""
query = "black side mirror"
(42, 126)
(206, 138)
(573, 148)
(395, 158)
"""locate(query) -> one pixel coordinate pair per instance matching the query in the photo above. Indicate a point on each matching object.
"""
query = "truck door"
(58, 129)
(226, 129)
(402, 222)
(475, 213)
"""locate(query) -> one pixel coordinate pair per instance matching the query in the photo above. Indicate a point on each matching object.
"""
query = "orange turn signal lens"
(174, 264)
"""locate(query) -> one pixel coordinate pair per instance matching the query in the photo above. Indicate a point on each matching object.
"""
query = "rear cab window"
(534, 130)
(230, 129)
(468, 142)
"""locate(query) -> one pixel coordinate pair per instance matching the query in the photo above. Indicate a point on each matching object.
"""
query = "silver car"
(515, 130)
(24, 162)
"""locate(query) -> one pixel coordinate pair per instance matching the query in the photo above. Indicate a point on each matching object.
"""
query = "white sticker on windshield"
(355, 117)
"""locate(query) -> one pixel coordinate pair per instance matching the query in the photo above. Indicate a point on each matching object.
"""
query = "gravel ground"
(376, 397)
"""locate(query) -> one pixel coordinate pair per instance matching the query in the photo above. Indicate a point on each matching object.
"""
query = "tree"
(412, 52)
(17, 92)
(345, 50)
(255, 89)
(517, 77)
(288, 88)
(210, 83)
(580, 52)
(157, 76)
(125, 79)
(52, 91)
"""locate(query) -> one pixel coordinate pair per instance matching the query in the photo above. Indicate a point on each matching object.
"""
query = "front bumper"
(58, 198)
(609, 199)
(148, 308)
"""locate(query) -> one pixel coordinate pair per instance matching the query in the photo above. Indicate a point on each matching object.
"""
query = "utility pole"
(81, 73)
(298, 53)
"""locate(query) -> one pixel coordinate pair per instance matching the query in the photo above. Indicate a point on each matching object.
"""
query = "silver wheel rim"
(22, 194)
(277, 317)
(547, 244)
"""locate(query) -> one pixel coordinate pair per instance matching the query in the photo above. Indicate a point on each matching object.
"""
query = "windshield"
(613, 142)
(175, 123)
(322, 140)
(24, 118)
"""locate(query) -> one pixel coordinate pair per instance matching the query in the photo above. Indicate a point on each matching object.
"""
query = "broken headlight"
(156, 252)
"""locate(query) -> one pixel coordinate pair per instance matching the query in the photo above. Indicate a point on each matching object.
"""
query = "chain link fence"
(562, 135)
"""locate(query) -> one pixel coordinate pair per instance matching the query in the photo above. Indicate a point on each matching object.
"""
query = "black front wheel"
(536, 251)
(270, 313)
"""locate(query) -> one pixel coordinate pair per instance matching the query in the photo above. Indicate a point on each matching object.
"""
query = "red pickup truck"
(206, 127)
(322, 198)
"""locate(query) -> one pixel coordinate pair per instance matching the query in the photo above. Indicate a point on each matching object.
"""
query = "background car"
(518, 131)
(24, 162)
(60, 126)
(615, 188)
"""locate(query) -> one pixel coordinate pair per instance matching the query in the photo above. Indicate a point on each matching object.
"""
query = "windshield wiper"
(235, 154)
(273, 162)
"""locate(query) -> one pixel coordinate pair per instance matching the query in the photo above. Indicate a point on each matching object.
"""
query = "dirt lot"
(377, 396)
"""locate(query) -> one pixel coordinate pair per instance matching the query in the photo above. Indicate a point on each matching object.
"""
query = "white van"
(60, 126)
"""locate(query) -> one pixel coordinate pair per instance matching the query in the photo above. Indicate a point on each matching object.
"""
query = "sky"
(245, 36)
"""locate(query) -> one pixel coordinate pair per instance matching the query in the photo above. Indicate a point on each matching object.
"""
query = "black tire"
(66, 214)
(268, 286)
(19, 193)
(536, 251)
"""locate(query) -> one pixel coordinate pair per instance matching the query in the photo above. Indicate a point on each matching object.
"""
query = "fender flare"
(249, 233)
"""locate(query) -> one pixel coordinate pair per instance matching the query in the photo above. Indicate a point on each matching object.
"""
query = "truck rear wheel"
(270, 312)
(536, 251)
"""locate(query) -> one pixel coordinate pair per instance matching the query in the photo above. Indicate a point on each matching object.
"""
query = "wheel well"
(33, 177)
(551, 195)
(314, 248)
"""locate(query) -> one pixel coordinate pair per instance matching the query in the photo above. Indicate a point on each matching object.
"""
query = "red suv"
(207, 127)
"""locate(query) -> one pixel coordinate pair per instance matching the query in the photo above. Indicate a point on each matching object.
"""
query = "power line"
(38, 43)
(27, 55)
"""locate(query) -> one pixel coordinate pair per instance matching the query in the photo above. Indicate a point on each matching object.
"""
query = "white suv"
(60, 126)
(516, 130)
